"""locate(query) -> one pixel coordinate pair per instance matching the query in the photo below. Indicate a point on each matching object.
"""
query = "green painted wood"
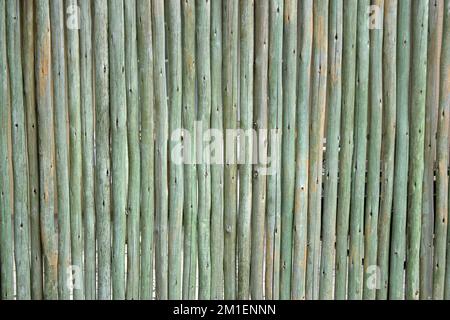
(230, 101)
(87, 144)
(334, 94)
(389, 69)
(354, 291)
(217, 169)
(75, 156)
(202, 30)
(28, 62)
(189, 172)
(102, 151)
(6, 206)
(146, 105)
(134, 165)
(59, 73)
(175, 168)
(161, 131)
(19, 152)
(118, 132)
(427, 263)
(288, 144)
(398, 241)
(346, 146)
(302, 152)
(440, 283)
(260, 148)
(246, 55)
(445, 100)
(376, 106)
(416, 154)
(46, 143)
(275, 105)
(316, 135)
(432, 99)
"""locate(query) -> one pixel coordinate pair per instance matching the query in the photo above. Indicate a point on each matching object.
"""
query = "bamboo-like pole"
(217, 204)
(202, 30)
(175, 168)
(275, 104)
(102, 150)
(145, 71)
(260, 167)
(19, 151)
(288, 144)
(317, 123)
(246, 51)
(6, 234)
(75, 158)
(435, 23)
(398, 241)
(46, 149)
(28, 34)
(346, 146)
(298, 289)
(416, 155)
(359, 157)
(87, 144)
(372, 203)
(118, 127)
(387, 152)
(445, 100)
(230, 96)
(189, 173)
(334, 94)
(161, 130)
(442, 158)
(62, 149)
(134, 166)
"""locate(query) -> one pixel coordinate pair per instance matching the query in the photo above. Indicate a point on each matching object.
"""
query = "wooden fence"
(224, 149)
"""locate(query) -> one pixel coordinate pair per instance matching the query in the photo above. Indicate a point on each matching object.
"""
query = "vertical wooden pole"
(334, 93)
(145, 72)
(134, 167)
(176, 168)
(359, 156)
(388, 150)
(260, 168)
(230, 96)
(416, 155)
(102, 150)
(442, 159)
(87, 143)
(190, 176)
(62, 149)
(274, 149)
(435, 23)
(6, 234)
(28, 32)
(162, 128)
(71, 9)
(46, 149)
(246, 50)
(318, 108)
(302, 151)
(19, 152)
(217, 169)
(398, 241)
(372, 204)
(203, 14)
(346, 145)
(288, 144)
(118, 118)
